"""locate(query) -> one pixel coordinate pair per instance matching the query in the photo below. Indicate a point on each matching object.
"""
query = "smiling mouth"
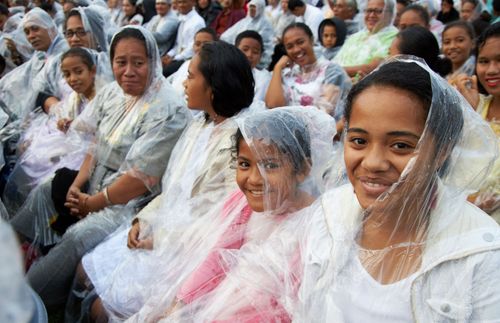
(374, 187)
(256, 193)
(493, 82)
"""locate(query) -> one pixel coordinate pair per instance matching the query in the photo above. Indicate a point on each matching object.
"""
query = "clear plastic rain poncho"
(13, 31)
(367, 45)
(50, 79)
(199, 175)
(134, 137)
(260, 24)
(225, 265)
(44, 148)
(420, 252)
(16, 87)
(322, 84)
(16, 304)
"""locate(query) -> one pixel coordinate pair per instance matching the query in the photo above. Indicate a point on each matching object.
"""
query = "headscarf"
(40, 18)
(94, 24)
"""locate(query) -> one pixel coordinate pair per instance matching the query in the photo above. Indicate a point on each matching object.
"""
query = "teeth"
(375, 185)
(258, 193)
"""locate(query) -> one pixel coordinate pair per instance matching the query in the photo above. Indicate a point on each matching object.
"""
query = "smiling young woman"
(299, 78)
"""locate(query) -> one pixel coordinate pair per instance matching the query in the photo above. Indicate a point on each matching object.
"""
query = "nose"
(255, 178)
(375, 160)
(129, 70)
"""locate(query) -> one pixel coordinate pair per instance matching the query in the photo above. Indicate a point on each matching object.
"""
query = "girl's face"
(457, 45)
(78, 75)
(200, 39)
(279, 184)
(467, 11)
(79, 37)
(488, 66)
(128, 8)
(198, 93)
(329, 36)
(299, 47)
(384, 128)
(130, 66)
(252, 50)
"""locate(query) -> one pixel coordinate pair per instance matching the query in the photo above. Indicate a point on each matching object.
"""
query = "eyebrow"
(392, 133)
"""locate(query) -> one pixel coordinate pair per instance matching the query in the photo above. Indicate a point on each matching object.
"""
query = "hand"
(284, 61)
(467, 86)
(63, 124)
(165, 60)
(78, 203)
(133, 241)
(11, 46)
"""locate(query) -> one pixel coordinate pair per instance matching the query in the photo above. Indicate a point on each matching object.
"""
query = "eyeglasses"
(374, 11)
(79, 33)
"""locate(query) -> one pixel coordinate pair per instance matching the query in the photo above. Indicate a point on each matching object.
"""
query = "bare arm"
(275, 96)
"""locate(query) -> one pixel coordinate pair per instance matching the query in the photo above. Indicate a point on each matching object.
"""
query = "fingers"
(133, 234)
(474, 82)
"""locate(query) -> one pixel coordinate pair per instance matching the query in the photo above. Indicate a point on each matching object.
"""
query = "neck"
(89, 94)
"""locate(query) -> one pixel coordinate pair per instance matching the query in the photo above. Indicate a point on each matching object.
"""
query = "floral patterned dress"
(320, 84)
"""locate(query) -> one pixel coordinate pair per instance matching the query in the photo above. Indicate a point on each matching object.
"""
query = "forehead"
(131, 47)
(455, 31)
(375, 109)
(71, 62)
(293, 33)
(375, 4)
(411, 16)
(249, 42)
(74, 21)
(203, 37)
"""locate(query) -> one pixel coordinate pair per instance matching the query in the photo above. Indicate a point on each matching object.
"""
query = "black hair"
(461, 24)
(72, 13)
(207, 30)
(420, 11)
(299, 25)
(82, 53)
(287, 132)
(419, 41)
(292, 4)
(405, 3)
(399, 75)
(250, 34)
(445, 121)
(491, 32)
(496, 5)
(340, 30)
(449, 2)
(228, 73)
(125, 33)
(4, 10)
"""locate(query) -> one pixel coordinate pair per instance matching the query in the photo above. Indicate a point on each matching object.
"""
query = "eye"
(138, 63)
(357, 142)
(403, 147)
(243, 164)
